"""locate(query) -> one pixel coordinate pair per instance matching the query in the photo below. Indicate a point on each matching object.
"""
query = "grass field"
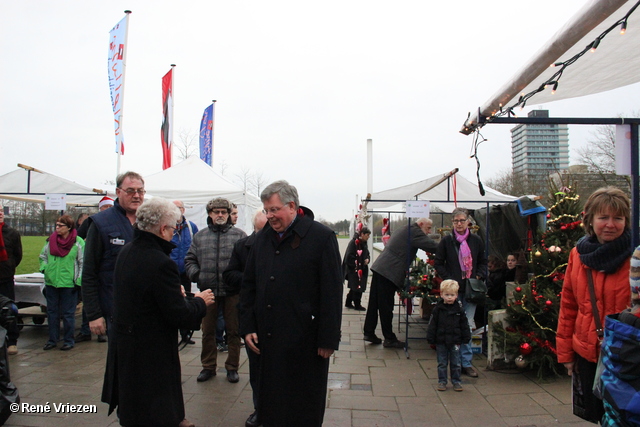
(31, 247)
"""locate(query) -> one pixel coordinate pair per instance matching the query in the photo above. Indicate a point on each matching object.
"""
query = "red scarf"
(3, 251)
(59, 246)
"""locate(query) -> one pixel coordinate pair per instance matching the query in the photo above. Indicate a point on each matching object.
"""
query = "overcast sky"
(300, 86)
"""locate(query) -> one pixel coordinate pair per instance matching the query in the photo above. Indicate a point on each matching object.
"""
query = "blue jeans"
(84, 329)
(61, 303)
(450, 356)
(220, 324)
(465, 349)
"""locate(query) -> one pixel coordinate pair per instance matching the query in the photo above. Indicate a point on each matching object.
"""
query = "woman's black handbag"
(475, 291)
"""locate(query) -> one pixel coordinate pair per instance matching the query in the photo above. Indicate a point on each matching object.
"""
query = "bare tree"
(599, 155)
(244, 178)
(186, 144)
(223, 166)
(508, 182)
(258, 181)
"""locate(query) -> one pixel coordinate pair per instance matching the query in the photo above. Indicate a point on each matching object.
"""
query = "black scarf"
(605, 257)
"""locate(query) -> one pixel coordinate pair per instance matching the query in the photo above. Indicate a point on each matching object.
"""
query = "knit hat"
(219, 203)
(634, 274)
(105, 201)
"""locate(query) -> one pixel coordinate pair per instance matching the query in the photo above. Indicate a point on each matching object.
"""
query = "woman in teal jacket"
(61, 263)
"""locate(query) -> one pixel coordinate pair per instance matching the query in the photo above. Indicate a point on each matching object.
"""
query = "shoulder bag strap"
(594, 306)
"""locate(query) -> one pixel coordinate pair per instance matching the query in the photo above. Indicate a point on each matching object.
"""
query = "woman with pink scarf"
(61, 263)
(461, 256)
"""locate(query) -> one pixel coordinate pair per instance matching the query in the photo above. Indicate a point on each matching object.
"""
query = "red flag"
(166, 131)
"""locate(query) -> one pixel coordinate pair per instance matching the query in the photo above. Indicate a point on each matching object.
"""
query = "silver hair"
(287, 192)
(460, 211)
(255, 217)
(423, 220)
(156, 212)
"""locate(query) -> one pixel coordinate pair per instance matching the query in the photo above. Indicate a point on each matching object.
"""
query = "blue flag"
(206, 135)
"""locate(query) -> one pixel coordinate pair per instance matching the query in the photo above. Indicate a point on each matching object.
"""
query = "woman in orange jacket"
(604, 252)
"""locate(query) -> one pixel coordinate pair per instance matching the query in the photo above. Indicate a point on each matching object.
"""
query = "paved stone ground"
(368, 386)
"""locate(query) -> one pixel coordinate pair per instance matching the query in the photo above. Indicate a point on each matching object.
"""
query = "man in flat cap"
(205, 262)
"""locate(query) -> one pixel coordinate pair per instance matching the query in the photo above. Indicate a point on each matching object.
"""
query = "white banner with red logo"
(117, 55)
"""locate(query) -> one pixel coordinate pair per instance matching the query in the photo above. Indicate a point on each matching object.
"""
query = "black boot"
(349, 302)
(357, 302)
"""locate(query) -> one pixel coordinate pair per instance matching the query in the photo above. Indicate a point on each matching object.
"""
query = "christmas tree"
(423, 281)
(532, 317)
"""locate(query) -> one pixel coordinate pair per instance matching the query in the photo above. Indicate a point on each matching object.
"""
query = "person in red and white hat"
(105, 203)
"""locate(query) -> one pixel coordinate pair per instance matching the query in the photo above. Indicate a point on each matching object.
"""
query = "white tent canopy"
(452, 187)
(614, 64)
(31, 185)
(196, 183)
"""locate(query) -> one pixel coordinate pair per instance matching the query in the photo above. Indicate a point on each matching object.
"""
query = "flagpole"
(124, 74)
(213, 118)
(173, 102)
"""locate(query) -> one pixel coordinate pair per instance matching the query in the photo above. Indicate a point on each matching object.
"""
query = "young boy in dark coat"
(448, 329)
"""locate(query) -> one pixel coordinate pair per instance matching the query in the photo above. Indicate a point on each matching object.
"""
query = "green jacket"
(62, 272)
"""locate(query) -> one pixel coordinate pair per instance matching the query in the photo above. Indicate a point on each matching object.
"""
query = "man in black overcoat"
(291, 305)
(233, 277)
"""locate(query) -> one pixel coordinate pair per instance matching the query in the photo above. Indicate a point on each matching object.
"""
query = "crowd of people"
(280, 290)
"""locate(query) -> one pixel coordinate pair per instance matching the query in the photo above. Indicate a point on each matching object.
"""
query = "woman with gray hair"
(143, 374)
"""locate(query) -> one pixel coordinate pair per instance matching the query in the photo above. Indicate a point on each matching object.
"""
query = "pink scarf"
(464, 255)
(59, 246)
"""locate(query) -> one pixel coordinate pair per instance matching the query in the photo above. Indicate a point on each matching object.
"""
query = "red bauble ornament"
(525, 349)
(518, 289)
(549, 303)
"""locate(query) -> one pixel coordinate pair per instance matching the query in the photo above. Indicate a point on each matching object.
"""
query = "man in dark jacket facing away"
(233, 277)
(205, 262)
(291, 307)
(389, 273)
(10, 257)
(448, 329)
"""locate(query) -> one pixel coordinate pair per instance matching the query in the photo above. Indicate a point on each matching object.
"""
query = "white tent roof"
(194, 181)
(31, 185)
(466, 193)
(614, 64)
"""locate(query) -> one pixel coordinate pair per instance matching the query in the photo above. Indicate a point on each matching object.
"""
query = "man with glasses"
(109, 231)
(205, 262)
(292, 309)
(389, 273)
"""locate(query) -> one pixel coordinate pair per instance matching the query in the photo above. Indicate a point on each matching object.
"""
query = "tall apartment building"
(539, 149)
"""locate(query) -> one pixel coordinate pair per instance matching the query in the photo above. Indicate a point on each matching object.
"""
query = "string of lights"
(554, 80)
